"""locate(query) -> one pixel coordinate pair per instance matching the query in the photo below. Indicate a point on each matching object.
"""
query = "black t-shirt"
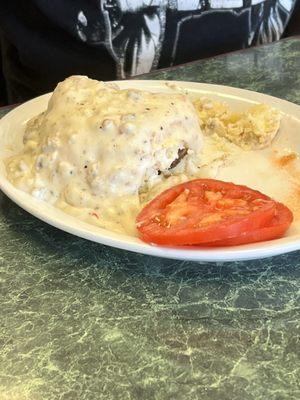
(45, 41)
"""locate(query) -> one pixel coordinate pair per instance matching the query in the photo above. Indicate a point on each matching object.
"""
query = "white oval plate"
(11, 133)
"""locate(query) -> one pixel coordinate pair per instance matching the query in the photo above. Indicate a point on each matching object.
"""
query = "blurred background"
(293, 28)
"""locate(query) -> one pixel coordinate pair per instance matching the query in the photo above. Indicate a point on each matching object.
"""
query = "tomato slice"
(274, 229)
(203, 211)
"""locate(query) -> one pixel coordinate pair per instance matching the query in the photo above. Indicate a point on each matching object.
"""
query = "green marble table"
(83, 321)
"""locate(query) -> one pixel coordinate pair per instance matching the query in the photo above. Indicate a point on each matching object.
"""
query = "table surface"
(84, 321)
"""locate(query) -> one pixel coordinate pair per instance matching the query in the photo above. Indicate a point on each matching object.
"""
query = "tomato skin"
(152, 230)
(275, 229)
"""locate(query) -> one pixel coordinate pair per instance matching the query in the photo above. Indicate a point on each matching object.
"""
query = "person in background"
(43, 42)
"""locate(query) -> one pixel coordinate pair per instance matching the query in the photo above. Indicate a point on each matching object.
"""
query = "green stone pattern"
(271, 69)
(84, 321)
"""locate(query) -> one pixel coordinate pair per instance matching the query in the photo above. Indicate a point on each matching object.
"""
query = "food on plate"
(209, 212)
(114, 141)
(251, 130)
(101, 153)
(96, 144)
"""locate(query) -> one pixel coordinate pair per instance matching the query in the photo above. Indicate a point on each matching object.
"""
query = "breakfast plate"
(274, 176)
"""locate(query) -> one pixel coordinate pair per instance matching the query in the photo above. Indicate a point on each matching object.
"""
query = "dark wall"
(3, 98)
(293, 27)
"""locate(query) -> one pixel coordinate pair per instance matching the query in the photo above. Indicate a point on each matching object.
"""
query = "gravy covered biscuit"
(96, 142)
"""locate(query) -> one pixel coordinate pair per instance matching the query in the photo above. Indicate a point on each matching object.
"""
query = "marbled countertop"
(84, 321)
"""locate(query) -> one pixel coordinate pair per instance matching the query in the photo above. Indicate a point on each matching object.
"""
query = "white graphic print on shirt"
(133, 31)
